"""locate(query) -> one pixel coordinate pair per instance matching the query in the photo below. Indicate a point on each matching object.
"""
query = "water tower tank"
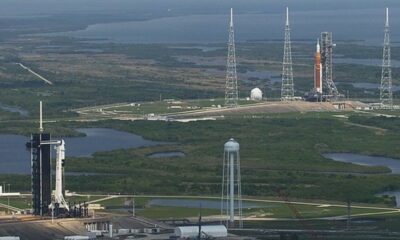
(231, 145)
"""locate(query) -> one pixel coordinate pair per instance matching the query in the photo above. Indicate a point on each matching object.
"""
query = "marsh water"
(15, 158)
(22, 112)
(391, 163)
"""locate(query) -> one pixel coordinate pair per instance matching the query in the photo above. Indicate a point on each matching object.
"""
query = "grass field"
(278, 151)
(171, 106)
(259, 211)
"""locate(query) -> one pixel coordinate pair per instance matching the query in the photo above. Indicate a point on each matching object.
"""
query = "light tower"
(231, 198)
(287, 91)
(231, 88)
(386, 94)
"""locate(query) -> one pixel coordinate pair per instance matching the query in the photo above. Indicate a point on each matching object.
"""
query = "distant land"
(170, 21)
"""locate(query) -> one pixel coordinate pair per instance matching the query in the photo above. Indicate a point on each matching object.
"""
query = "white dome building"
(256, 94)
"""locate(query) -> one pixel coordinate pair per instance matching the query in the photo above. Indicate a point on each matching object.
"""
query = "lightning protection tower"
(231, 198)
(386, 94)
(326, 61)
(231, 88)
(287, 91)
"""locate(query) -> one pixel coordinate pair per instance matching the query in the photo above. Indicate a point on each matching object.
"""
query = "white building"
(256, 94)
(214, 231)
(9, 194)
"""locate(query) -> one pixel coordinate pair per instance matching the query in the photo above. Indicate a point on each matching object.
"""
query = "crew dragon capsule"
(318, 70)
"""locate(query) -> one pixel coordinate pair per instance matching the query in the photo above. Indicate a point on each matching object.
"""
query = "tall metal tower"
(287, 91)
(386, 94)
(326, 60)
(41, 170)
(231, 87)
(231, 198)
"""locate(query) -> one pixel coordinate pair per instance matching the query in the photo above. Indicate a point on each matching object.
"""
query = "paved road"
(35, 73)
(381, 210)
(14, 209)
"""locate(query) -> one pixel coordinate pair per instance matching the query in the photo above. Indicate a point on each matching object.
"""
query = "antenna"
(41, 117)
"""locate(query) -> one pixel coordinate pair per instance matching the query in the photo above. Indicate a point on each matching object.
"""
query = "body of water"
(15, 158)
(365, 25)
(14, 109)
(393, 164)
(369, 86)
(367, 62)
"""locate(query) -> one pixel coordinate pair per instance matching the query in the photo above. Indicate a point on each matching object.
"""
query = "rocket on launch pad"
(318, 70)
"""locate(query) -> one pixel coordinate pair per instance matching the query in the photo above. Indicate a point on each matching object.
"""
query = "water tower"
(231, 198)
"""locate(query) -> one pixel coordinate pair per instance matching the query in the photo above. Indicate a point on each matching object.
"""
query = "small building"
(256, 94)
(214, 231)
(77, 237)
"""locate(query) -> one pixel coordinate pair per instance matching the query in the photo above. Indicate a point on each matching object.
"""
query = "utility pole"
(8, 197)
(348, 214)
(133, 206)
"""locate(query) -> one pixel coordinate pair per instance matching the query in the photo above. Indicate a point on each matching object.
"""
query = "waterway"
(15, 158)
(252, 25)
(391, 163)
(22, 112)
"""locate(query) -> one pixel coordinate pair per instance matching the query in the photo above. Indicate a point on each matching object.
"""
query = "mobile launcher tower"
(231, 198)
(42, 202)
(41, 170)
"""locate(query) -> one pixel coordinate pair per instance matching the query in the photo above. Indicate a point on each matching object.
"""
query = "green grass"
(278, 152)
(265, 209)
(18, 202)
(165, 107)
(175, 212)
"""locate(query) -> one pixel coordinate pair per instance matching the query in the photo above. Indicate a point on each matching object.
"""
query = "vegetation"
(279, 153)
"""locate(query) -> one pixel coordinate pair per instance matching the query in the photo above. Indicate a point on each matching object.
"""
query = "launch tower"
(41, 171)
(326, 61)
